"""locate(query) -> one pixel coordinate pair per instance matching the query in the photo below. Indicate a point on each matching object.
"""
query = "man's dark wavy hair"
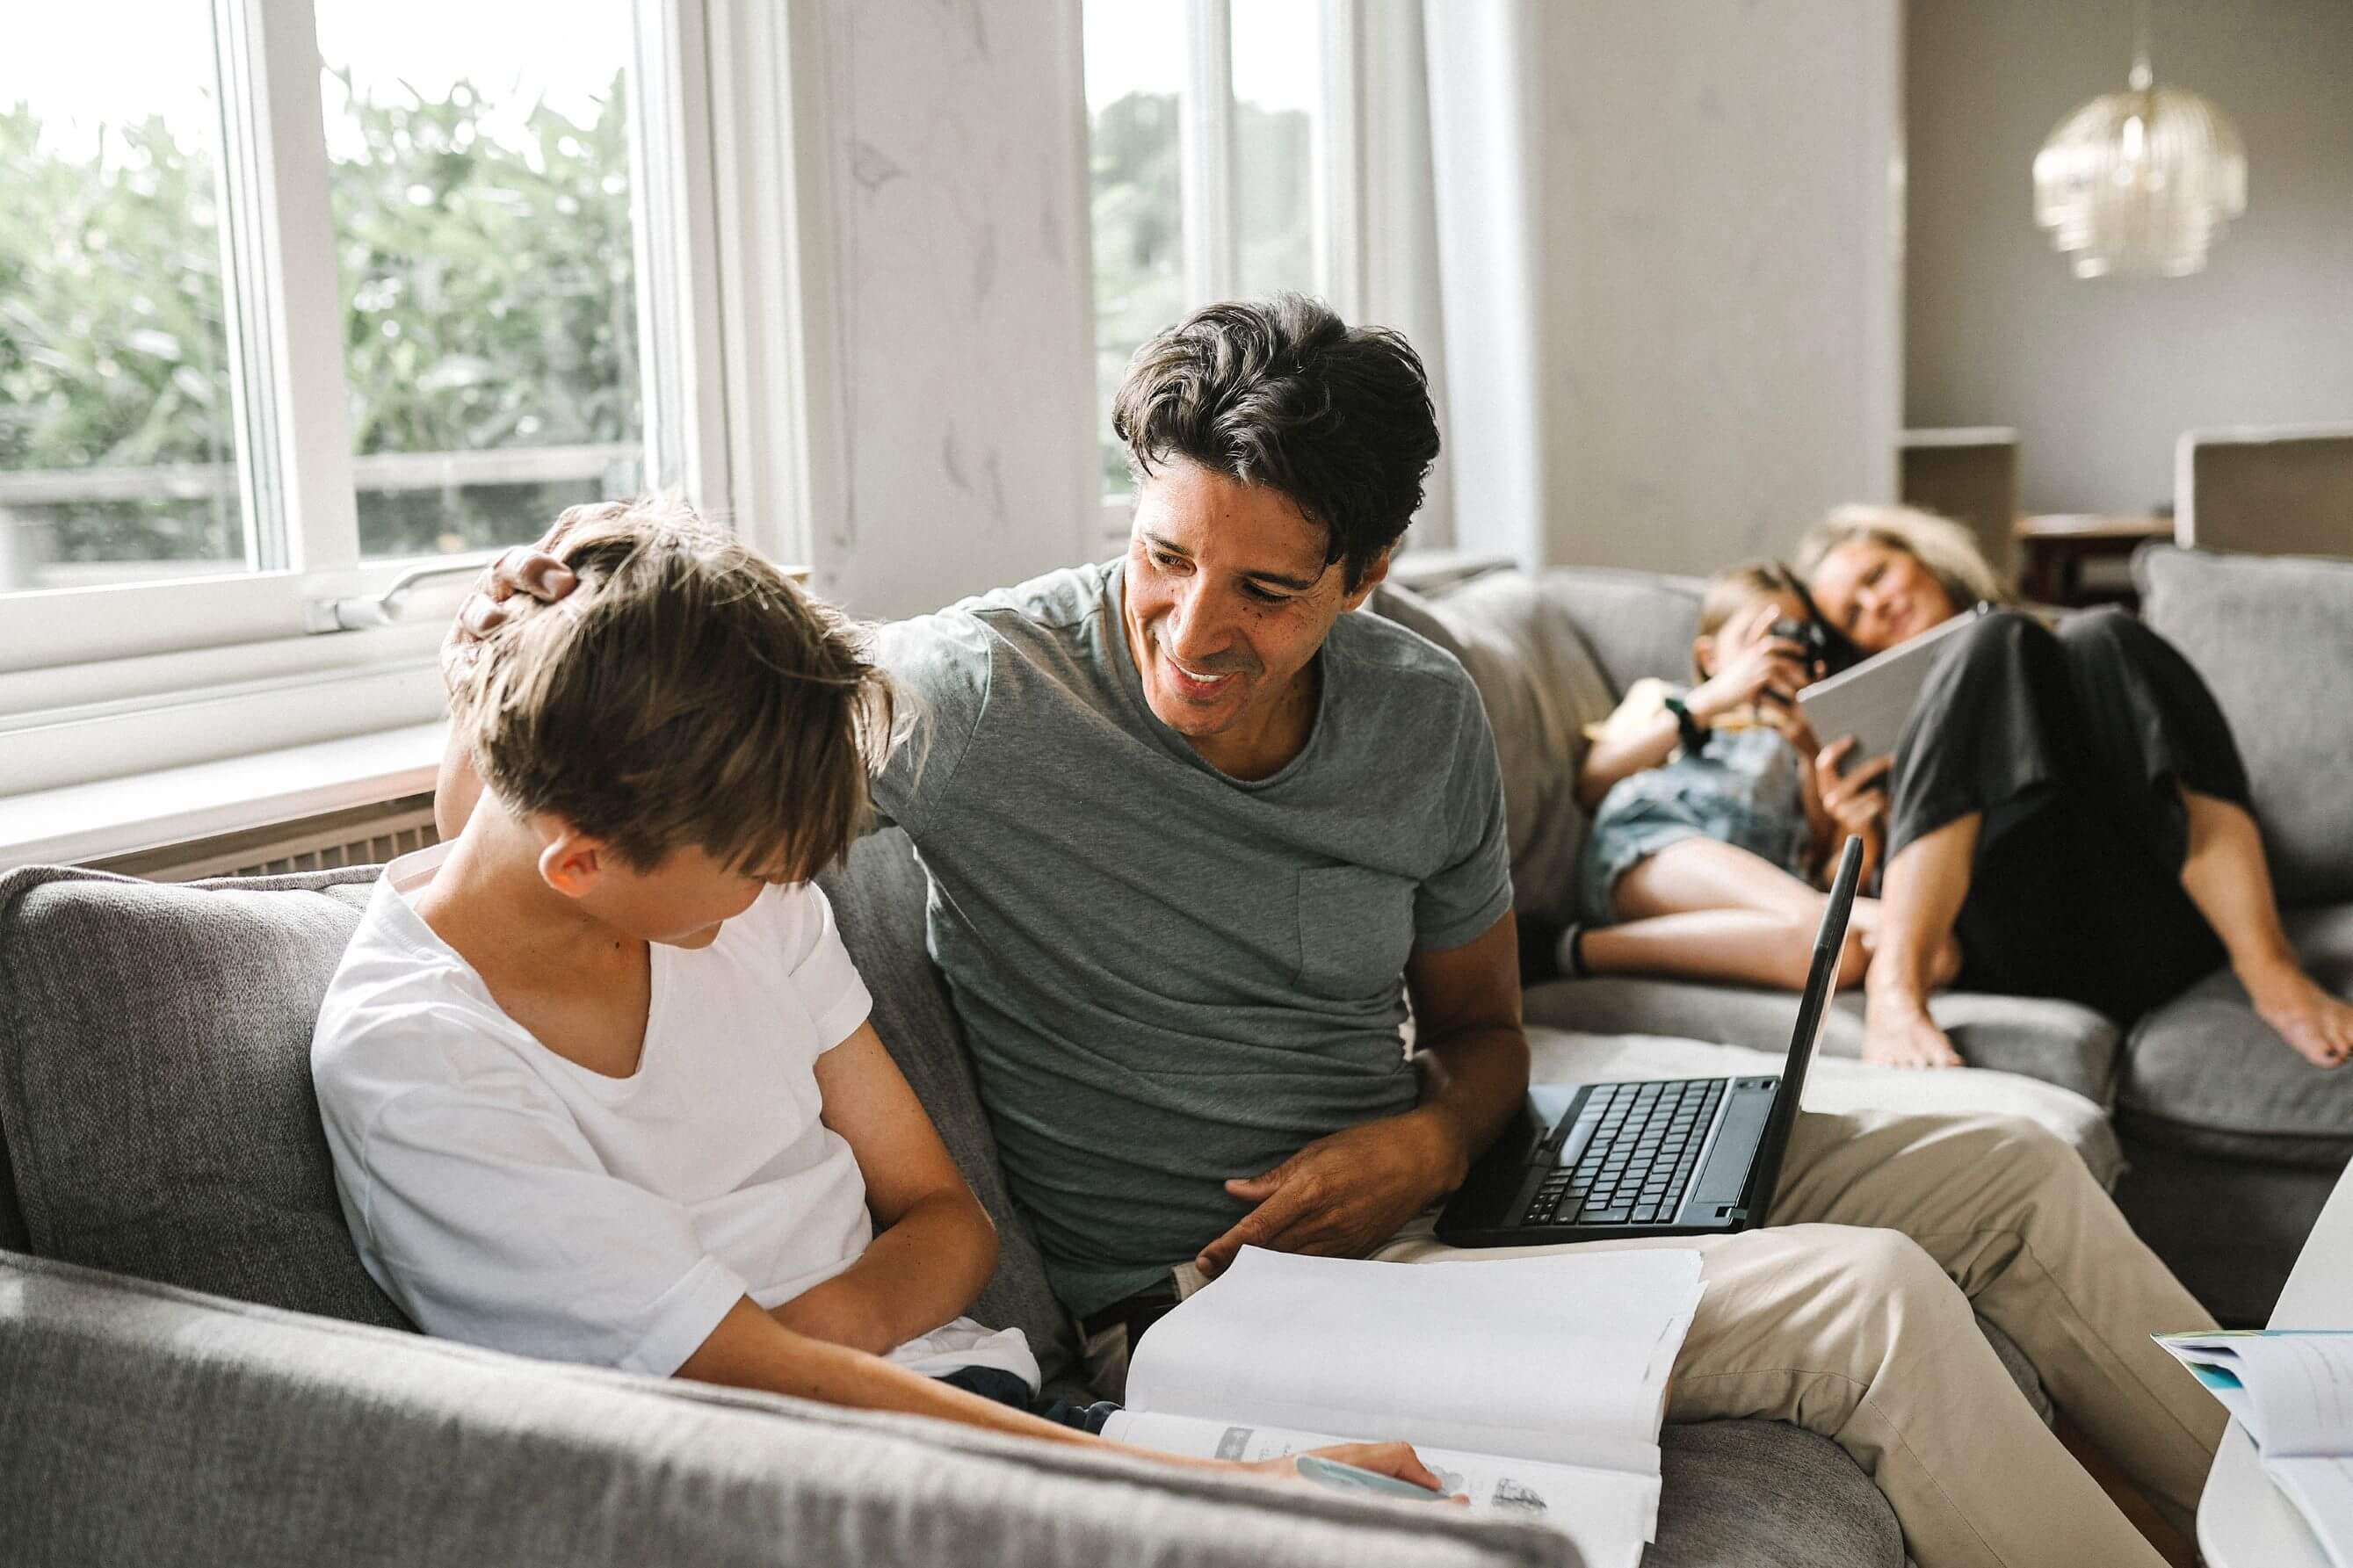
(1283, 393)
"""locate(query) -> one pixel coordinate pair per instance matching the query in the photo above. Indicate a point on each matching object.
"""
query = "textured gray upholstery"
(1728, 1479)
(877, 900)
(155, 1081)
(1636, 622)
(147, 1425)
(2057, 1042)
(2274, 638)
(2203, 1073)
(1541, 687)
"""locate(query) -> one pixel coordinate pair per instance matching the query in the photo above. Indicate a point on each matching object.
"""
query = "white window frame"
(1207, 176)
(98, 682)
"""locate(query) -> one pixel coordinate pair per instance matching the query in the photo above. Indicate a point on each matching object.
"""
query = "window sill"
(172, 805)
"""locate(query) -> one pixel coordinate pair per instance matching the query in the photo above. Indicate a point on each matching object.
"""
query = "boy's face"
(680, 902)
(1750, 625)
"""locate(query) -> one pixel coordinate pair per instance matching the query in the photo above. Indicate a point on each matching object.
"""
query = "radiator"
(362, 835)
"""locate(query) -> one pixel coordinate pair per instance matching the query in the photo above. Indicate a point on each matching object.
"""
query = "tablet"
(1873, 700)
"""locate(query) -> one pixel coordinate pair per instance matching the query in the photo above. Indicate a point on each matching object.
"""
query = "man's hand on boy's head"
(526, 569)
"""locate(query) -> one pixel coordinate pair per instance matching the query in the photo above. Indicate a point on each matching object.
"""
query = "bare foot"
(1898, 1033)
(2319, 1026)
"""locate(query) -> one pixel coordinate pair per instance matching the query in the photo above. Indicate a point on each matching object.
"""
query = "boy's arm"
(750, 1350)
(934, 1247)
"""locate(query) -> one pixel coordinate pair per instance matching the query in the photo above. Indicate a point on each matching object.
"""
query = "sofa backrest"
(1550, 654)
(879, 900)
(2274, 638)
(155, 1081)
(156, 1111)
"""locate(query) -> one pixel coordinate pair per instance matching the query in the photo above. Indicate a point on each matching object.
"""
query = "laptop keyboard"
(1628, 1155)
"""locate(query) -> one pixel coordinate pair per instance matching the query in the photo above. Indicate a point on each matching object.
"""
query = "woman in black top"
(2069, 802)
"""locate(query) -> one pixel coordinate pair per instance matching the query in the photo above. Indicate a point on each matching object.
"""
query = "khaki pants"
(1842, 1317)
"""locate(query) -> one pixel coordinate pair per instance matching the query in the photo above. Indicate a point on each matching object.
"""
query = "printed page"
(2291, 1388)
(1558, 1359)
(1605, 1513)
(2322, 1490)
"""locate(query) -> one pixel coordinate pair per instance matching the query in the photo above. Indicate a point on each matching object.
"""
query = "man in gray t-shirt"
(1171, 977)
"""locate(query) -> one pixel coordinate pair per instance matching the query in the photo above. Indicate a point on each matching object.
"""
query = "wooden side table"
(2054, 545)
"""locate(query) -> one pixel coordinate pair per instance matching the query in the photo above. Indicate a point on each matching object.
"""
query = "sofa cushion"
(878, 902)
(2274, 638)
(1540, 688)
(2057, 1042)
(2203, 1073)
(1637, 623)
(155, 1081)
(1565, 1055)
(152, 1426)
(1735, 1493)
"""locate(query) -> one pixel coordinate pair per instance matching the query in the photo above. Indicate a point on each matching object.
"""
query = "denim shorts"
(1742, 789)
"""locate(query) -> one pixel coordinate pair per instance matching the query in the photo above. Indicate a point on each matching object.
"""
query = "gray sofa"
(195, 1369)
(2232, 1141)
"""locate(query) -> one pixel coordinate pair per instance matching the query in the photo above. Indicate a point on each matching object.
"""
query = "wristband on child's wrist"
(1695, 734)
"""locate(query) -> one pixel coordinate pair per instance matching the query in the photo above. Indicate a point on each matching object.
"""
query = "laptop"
(1701, 1156)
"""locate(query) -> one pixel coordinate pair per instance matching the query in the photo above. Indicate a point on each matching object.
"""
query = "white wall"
(958, 253)
(2099, 376)
(1719, 249)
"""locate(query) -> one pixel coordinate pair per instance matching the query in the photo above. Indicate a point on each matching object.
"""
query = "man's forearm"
(1471, 1084)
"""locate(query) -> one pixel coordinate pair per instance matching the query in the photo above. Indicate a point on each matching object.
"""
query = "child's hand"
(1395, 1460)
(1770, 670)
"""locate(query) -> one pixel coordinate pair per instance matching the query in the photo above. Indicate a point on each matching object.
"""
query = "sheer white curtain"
(1451, 177)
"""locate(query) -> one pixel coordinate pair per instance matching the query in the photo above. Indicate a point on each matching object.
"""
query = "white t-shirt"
(506, 1196)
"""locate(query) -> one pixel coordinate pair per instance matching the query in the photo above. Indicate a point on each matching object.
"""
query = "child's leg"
(1751, 946)
(1705, 874)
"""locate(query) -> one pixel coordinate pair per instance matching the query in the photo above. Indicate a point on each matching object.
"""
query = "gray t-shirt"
(1168, 976)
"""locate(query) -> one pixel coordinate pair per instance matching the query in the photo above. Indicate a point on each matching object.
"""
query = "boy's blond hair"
(1730, 592)
(686, 692)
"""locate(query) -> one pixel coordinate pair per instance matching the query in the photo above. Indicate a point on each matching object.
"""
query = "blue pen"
(1353, 1477)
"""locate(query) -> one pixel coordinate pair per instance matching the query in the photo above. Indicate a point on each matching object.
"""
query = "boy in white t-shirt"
(597, 1073)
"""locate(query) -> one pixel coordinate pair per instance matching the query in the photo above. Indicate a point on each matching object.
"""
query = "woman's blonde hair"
(1945, 547)
(686, 692)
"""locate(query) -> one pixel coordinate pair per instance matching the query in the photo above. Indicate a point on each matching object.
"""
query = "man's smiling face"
(1227, 599)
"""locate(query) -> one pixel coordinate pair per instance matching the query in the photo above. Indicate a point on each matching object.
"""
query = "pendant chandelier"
(2139, 181)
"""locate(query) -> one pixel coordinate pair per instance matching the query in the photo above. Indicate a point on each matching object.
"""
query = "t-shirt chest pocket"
(1355, 930)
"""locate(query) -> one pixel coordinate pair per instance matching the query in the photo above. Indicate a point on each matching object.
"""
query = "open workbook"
(1532, 1384)
(2292, 1389)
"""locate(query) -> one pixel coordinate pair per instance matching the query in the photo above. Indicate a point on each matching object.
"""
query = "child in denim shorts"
(1717, 813)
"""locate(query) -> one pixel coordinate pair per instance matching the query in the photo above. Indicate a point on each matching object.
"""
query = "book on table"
(2292, 1389)
(1533, 1385)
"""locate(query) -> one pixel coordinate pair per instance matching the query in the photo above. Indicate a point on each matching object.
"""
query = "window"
(119, 429)
(1214, 167)
(479, 163)
(298, 296)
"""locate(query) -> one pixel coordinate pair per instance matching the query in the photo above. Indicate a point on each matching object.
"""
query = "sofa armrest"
(149, 1424)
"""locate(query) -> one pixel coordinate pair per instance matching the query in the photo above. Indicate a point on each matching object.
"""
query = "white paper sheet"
(1605, 1513)
(2322, 1490)
(1559, 1359)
